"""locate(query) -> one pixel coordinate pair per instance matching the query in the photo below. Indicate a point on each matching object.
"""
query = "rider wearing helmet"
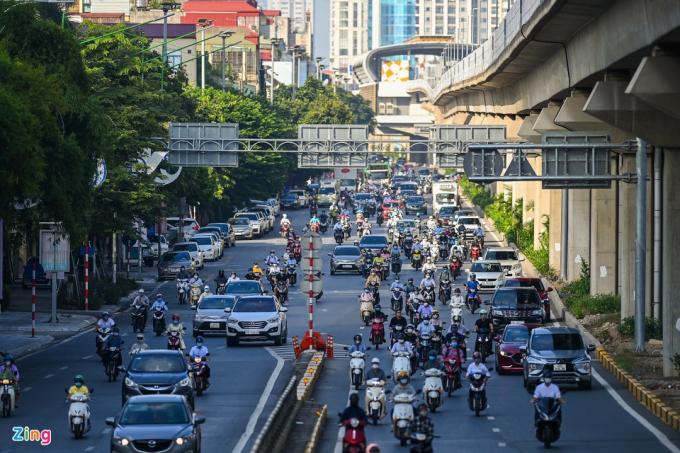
(105, 322)
(375, 372)
(422, 424)
(206, 292)
(78, 386)
(138, 345)
(9, 370)
(358, 345)
(113, 341)
(176, 326)
(484, 325)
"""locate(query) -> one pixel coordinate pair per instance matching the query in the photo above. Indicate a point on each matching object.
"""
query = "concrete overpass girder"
(655, 82)
(572, 117)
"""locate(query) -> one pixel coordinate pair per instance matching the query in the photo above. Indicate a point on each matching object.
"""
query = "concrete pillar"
(579, 231)
(555, 214)
(626, 239)
(671, 259)
(603, 242)
(542, 207)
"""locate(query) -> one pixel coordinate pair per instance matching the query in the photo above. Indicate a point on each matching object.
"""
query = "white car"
(508, 257)
(268, 214)
(256, 224)
(470, 222)
(207, 245)
(489, 274)
(257, 317)
(219, 244)
(191, 226)
(302, 197)
(194, 251)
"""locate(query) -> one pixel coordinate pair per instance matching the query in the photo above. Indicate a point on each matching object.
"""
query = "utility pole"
(275, 43)
(640, 245)
(204, 23)
(165, 6)
(224, 35)
(318, 67)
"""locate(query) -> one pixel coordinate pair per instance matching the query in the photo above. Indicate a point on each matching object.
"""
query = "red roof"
(219, 6)
(265, 55)
(271, 12)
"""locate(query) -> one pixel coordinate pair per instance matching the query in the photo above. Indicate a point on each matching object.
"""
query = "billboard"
(395, 71)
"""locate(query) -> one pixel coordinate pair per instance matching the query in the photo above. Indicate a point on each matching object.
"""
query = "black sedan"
(416, 205)
(156, 423)
(373, 242)
(346, 258)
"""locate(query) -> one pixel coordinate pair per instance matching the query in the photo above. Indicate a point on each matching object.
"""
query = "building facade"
(349, 32)
(390, 22)
(297, 10)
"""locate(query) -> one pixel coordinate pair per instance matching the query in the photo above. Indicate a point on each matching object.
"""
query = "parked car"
(416, 204)
(528, 282)
(227, 232)
(269, 216)
(561, 350)
(208, 247)
(171, 262)
(516, 304)
(508, 343)
(374, 242)
(155, 372)
(346, 258)
(508, 257)
(194, 251)
(242, 227)
(257, 318)
(214, 229)
(156, 423)
(289, 201)
(190, 225)
(210, 316)
(256, 223)
(217, 240)
(245, 288)
(489, 274)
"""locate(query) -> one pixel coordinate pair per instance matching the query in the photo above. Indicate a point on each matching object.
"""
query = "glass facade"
(397, 21)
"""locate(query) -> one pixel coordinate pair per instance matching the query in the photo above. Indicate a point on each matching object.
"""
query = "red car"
(537, 283)
(508, 354)
(391, 203)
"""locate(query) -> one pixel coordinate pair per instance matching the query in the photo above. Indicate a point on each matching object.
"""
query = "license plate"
(560, 367)
(214, 325)
(252, 332)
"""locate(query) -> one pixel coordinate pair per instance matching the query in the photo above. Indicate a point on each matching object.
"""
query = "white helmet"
(206, 288)
(285, 216)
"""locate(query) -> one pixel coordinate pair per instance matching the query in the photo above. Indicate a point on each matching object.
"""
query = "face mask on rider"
(547, 381)
(375, 366)
(423, 413)
(403, 381)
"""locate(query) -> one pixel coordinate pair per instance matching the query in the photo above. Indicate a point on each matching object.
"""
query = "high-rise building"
(349, 32)
(296, 10)
(390, 22)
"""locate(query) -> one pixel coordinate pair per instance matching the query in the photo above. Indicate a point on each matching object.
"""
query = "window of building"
(87, 6)
(439, 30)
(175, 59)
(343, 52)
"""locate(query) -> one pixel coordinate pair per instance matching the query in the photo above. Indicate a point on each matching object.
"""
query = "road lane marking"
(502, 444)
(47, 376)
(89, 448)
(491, 417)
(86, 357)
(661, 437)
(252, 422)
(65, 367)
(496, 430)
(26, 389)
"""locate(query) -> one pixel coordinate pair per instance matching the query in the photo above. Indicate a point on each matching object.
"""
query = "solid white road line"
(65, 367)
(341, 431)
(89, 448)
(86, 357)
(26, 389)
(661, 437)
(250, 428)
(47, 376)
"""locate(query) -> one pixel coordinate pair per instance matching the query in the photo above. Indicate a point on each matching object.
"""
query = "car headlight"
(130, 383)
(496, 313)
(121, 441)
(535, 366)
(506, 354)
(273, 320)
(537, 312)
(185, 382)
(582, 367)
(517, 267)
(232, 321)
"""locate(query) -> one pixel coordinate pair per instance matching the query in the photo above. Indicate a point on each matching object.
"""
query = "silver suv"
(508, 257)
(260, 318)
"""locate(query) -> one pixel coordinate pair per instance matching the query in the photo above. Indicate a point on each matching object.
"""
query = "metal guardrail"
(273, 434)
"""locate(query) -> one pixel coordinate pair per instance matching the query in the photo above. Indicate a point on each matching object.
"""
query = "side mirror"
(227, 309)
(199, 420)
(497, 338)
(345, 348)
(330, 254)
(264, 291)
(110, 421)
(121, 369)
(283, 309)
(523, 349)
(356, 243)
(590, 348)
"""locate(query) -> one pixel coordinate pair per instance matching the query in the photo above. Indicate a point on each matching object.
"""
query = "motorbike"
(425, 346)
(375, 291)
(396, 330)
(401, 362)
(421, 443)
(397, 300)
(297, 252)
(366, 310)
(375, 400)
(454, 267)
(437, 337)
(417, 260)
(354, 440)
(451, 376)
(284, 230)
(456, 311)
(356, 368)
(474, 253)
(347, 230)
(396, 266)
(281, 291)
(428, 295)
(402, 416)
(473, 300)
(79, 413)
(384, 270)
(443, 250)
(198, 370)
(433, 389)
(323, 226)
(412, 310)
(100, 339)
(137, 319)
(377, 333)
(113, 360)
(7, 396)
(195, 294)
(158, 322)
(548, 419)
(182, 290)
(339, 236)
(482, 345)
(477, 396)
(444, 291)
(174, 340)
(292, 274)
(408, 247)
(221, 288)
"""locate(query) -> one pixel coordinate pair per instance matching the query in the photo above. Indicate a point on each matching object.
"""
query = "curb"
(318, 429)
(306, 384)
(645, 396)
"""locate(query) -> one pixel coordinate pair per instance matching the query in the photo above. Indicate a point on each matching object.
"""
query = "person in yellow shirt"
(78, 386)
(256, 269)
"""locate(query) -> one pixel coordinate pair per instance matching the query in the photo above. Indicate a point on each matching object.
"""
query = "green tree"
(328, 110)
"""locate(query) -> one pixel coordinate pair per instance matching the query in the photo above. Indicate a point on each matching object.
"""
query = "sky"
(322, 27)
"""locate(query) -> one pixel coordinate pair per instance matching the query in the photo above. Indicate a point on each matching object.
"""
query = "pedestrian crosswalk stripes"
(286, 352)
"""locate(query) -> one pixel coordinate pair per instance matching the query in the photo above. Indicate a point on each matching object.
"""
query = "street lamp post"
(204, 23)
(166, 6)
(275, 43)
(318, 70)
(224, 35)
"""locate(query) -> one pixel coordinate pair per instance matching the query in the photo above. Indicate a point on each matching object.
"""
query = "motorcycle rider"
(483, 324)
(201, 351)
(353, 410)
(9, 370)
(472, 285)
(142, 301)
(546, 389)
(206, 292)
(337, 228)
(78, 386)
(284, 221)
(425, 327)
(457, 297)
(271, 258)
(479, 234)
(106, 321)
(410, 287)
(176, 326)
(182, 274)
(436, 320)
(425, 310)
(233, 278)
(159, 304)
(429, 266)
(138, 345)
(375, 372)
(433, 362)
(221, 278)
(366, 296)
(427, 281)
(396, 284)
(256, 270)
(358, 345)
(451, 351)
(422, 424)
(114, 341)
(195, 280)
(398, 320)
(373, 278)
(402, 345)
(477, 367)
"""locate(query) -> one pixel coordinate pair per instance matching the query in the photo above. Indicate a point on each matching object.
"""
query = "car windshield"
(176, 257)
(239, 221)
(516, 335)
(486, 267)
(447, 210)
(378, 174)
(170, 413)
(373, 240)
(424, 172)
(158, 363)
(208, 230)
(201, 240)
(501, 255)
(252, 216)
(215, 303)
(464, 212)
(289, 196)
(514, 283)
(446, 198)
(469, 221)
(347, 251)
(192, 247)
(255, 305)
(406, 224)
(243, 287)
(222, 227)
(557, 342)
(408, 186)
(327, 190)
(516, 297)
(415, 200)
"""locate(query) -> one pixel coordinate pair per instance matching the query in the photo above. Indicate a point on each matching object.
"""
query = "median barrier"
(318, 429)
(274, 433)
(308, 379)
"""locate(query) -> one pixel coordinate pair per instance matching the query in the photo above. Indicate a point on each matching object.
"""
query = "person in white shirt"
(547, 389)
(477, 367)
(429, 266)
(233, 278)
(401, 346)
